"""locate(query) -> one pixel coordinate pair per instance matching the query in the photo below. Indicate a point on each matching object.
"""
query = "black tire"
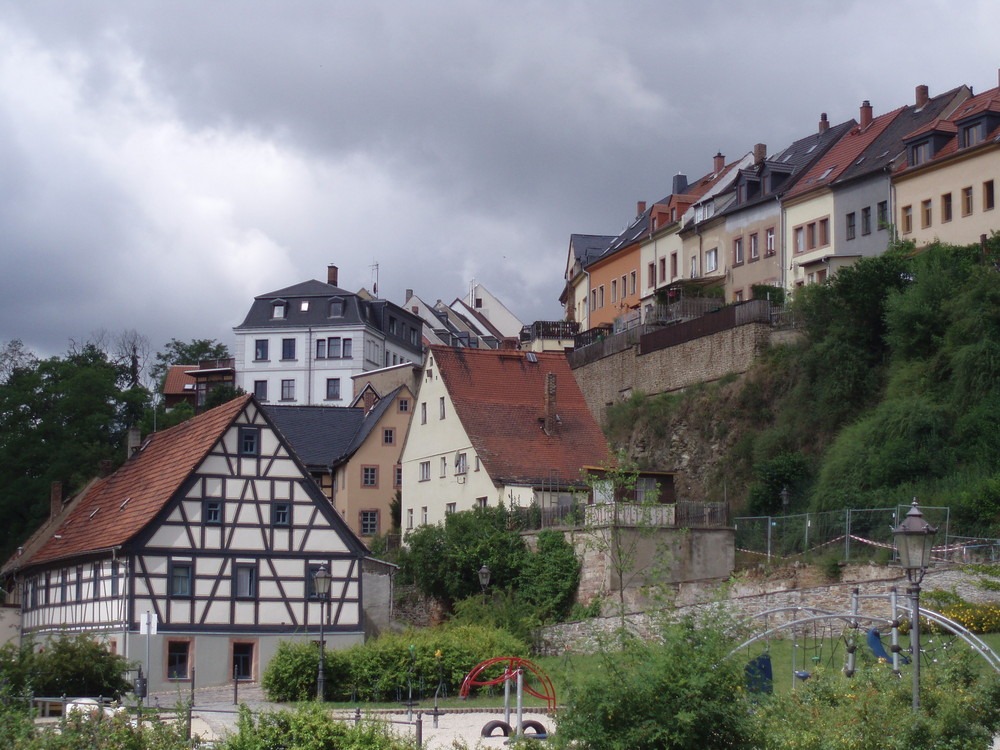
(536, 727)
(488, 728)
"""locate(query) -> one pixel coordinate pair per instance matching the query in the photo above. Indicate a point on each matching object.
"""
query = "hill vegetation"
(892, 392)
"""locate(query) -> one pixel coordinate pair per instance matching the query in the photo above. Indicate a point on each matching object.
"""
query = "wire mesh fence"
(854, 534)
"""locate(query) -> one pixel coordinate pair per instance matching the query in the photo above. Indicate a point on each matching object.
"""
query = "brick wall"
(698, 361)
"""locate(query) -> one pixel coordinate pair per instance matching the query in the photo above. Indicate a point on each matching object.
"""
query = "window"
(907, 217)
(925, 214)
(403, 405)
(946, 208)
(425, 471)
(600, 296)
(249, 441)
(769, 242)
(79, 583)
(632, 276)
(388, 436)
(824, 231)
(737, 251)
(966, 201)
(333, 347)
(260, 349)
(311, 571)
(866, 220)
(754, 248)
(423, 412)
(347, 350)
(260, 390)
(288, 348)
(333, 389)
(180, 579)
(973, 134)
(320, 348)
(441, 408)
(738, 295)
(712, 260)
(369, 522)
(243, 661)
(409, 518)
(883, 214)
(336, 307)
(211, 512)
(650, 275)
(919, 153)
(694, 266)
(851, 228)
(477, 463)
(800, 240)
(287, 390)
(593, 300)
(369, 476)
(673, 266)
(444, 466)
(614, 290)
(398, 476)
(988, 200)
(281, 514)
(461, 464)
(423, 515)
(811, 235)
(663, 270)
(278, 310)
(449, 508)
(244, 581)
(178, 658)
(481, 502)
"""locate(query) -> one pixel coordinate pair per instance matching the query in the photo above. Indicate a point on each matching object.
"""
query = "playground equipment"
(513, 671)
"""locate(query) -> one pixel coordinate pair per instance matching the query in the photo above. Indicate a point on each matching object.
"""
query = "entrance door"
(243, 661)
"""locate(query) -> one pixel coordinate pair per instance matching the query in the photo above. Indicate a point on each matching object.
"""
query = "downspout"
(781, 244)
(586, 301)
(309, 365)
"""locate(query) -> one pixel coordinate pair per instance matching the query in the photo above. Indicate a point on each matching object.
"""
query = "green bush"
(293, 670)
(72, 665)
(550, 576)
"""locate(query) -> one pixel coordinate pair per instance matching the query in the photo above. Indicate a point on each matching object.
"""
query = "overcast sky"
(161, 163)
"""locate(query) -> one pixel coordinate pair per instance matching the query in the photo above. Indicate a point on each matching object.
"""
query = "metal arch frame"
(514, 664)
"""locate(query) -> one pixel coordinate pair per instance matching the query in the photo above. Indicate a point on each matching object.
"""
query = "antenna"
(374, 269)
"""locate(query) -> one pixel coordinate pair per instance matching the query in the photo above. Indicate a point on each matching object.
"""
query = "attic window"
(336, 307)
(189, 386)
(859, 161)
(531, 357)
(94, 512)
(826, 173)
(124, 503)
(787, 157)
(304, 306)
(278, 310)
(811, 149)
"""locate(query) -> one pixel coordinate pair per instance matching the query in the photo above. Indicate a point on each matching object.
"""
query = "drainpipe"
(586, 302)
(309, 365)
(781, 245)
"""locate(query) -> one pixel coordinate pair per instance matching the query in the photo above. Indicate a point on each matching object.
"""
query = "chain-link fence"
(852, 535)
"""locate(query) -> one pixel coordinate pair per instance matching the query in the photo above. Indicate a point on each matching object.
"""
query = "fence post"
(805, 547)
(847, 535)
(768, 538)
(420, 728)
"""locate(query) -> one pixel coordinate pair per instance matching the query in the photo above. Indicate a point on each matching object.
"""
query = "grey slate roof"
(318, 434)
(589, 247)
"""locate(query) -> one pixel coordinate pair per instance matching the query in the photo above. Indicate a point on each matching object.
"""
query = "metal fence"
(577, 515)
(852, 534)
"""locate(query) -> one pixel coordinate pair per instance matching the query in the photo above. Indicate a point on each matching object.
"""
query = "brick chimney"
(370, 399)
(824, 124)
(640, 208)
(866, 114)
(718, 162)
(550, 403)
(55, 499)
(922, 95)
(759, 153)
(332, 274)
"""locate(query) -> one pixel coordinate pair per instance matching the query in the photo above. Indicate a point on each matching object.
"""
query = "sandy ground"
(214, 714)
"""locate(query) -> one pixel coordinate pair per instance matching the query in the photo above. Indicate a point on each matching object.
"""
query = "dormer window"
(336, 307)
(920, 153)
(278, 309)
(972, 134)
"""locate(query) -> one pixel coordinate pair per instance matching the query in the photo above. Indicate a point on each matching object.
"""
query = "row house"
(496, 427)
(584, 249)
(946, 188)
(841, 209)
(196, 556)
(304, 343)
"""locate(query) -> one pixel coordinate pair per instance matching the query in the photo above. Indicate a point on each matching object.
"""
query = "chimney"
(640, 208)
(718, 162)
(922, 95)
(331, 275)
(759, 153)
(550, 403)
(409, 293)
(369, 400)
(55, 499)
(680, 184)
(866, 113)
(824, 124)
(132, 442)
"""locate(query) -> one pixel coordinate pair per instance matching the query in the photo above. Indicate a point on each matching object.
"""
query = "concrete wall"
(10, 624)
(702, 360)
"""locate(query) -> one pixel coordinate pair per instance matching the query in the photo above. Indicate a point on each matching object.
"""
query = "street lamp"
(321, 587)
(914, 540)
(484, 577)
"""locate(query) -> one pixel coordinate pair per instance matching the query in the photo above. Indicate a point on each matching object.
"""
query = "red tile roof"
(988, 101)
(176, 380)
(499, 396)
(843, 154)
(114, 509)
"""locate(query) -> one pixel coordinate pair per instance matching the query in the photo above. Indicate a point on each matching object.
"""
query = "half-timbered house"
(197, 556)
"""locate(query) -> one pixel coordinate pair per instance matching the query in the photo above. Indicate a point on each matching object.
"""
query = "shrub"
(292, 672)
(550, 576)
(69, 665)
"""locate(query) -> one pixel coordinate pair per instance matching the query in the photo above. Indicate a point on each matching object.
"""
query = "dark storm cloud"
(164, 162)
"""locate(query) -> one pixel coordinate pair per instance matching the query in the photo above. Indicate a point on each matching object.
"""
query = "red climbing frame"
(513, 664)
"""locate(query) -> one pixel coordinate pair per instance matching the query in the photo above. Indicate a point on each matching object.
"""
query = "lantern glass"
(484, 576)
(321, 581)
(914, 539)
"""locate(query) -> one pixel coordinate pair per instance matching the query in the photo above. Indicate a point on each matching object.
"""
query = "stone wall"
(748, 597)
(698, 361)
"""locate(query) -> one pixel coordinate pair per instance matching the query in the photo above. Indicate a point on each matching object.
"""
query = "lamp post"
(914, 540)
(484, 577)
(321, 586)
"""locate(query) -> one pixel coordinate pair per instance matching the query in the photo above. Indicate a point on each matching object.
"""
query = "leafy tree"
(185, 353)
(72, 665)
(220, 394)
(550, 576)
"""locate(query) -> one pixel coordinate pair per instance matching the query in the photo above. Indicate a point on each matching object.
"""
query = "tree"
(185, 353)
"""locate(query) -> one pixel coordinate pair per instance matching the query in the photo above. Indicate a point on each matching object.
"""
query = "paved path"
(214, 715)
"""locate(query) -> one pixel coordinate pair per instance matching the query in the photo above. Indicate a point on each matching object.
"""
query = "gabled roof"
(947, 127)
(499, 397)
(110, 511)
(178, 382)
(589, 247)
(371, 420)
(318, 434)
